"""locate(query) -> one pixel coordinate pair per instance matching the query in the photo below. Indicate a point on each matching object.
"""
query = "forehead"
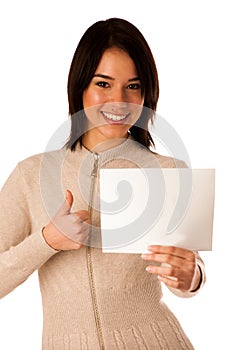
(116, 60)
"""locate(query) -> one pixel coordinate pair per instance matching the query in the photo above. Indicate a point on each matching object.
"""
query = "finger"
(164, 258)
(83, 239)
(159, 270)
(169, 276)
(171, 250)
(76, 229)
(174, 282)
(83, 215)
(77, 245)
(70, 245)
(170, 281)
(171, 260)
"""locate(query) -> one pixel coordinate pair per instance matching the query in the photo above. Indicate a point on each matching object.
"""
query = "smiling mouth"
(115, 117)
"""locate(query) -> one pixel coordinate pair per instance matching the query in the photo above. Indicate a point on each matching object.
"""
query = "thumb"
(67, 204)
(69, 198)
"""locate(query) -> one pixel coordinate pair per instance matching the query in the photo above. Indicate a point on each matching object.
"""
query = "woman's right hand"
(67, 231)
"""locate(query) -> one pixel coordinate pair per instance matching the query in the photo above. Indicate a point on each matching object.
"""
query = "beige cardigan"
(90, 300)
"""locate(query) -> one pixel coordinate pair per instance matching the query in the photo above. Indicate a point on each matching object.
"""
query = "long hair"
(113, 32)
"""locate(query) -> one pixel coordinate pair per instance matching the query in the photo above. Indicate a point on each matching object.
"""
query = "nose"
(118, 98)
(118, 95)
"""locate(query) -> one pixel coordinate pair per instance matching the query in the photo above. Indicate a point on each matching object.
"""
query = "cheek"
(141, 100)
(91, 98)
(136, 99)
(136, 110)
(91, 102)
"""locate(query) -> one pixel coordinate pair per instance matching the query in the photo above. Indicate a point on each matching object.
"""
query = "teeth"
(114, 117)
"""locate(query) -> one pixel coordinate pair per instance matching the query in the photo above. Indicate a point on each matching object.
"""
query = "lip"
(116, 122)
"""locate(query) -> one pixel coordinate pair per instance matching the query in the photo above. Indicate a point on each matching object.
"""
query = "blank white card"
(145, 206)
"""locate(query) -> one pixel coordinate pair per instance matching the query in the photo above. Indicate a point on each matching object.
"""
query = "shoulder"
(169, 162)
(33, 164)
(158, 160)
(31, 173)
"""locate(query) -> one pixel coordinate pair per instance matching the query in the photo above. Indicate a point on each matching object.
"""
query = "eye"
(102, 84)
(135, 86)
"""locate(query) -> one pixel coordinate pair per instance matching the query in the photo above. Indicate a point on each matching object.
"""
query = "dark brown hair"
(113, 32)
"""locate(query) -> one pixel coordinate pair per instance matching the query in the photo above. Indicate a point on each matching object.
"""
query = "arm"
(21, 252)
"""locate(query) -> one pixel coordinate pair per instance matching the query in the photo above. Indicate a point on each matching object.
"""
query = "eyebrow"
(110, 78)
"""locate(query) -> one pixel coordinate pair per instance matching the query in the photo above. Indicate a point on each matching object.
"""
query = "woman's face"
(113, 100)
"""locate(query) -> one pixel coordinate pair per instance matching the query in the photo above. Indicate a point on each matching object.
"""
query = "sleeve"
(21, 253)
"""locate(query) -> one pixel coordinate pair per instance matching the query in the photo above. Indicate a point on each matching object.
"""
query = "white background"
(192, 45)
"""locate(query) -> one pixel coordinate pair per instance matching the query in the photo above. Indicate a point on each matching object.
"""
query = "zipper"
(93, 182)
(89, 258)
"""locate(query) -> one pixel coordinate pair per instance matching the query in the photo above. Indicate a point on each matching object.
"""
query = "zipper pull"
(96, 163)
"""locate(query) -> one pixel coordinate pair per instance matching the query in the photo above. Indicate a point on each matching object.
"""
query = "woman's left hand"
(178, 267)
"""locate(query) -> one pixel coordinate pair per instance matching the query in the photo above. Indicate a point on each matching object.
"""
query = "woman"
(93, 300)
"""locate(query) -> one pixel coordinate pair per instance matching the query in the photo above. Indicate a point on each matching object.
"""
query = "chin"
(115, 133)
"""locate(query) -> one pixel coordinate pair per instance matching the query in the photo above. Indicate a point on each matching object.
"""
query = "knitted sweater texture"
(91, 300)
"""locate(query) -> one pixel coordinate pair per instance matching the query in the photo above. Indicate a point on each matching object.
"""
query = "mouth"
(117, 118)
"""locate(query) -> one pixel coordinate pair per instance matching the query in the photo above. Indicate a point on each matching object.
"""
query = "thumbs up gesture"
(67, 231)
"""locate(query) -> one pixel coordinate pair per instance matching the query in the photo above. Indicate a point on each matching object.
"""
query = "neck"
(105, 145)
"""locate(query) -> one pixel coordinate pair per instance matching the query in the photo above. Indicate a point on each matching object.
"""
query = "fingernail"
(145, 256)
(148, 269)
